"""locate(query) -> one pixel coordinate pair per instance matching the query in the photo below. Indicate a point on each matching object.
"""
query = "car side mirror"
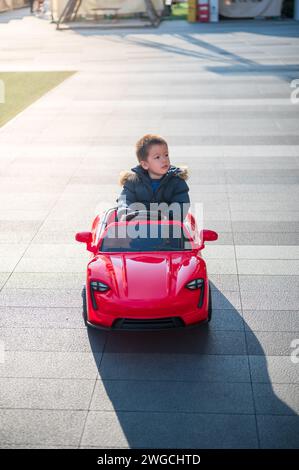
(209, 235)
(85, 237)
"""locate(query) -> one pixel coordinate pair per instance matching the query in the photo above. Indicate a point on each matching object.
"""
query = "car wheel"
(210, 304)
(84, 310)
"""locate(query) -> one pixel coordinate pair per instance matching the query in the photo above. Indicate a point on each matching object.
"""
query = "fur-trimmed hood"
(181, 172)
(137, 189)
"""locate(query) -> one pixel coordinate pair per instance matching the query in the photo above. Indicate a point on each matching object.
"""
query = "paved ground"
(221, 95)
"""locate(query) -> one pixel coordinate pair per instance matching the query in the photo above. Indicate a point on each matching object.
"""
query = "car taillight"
(195, 284)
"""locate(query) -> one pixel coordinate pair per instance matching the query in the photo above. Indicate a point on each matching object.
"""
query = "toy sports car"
(145, 273)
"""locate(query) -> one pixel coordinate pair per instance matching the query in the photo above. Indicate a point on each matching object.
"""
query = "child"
(154, 180)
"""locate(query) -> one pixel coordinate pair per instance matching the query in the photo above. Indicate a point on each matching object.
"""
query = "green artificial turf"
(19, 89)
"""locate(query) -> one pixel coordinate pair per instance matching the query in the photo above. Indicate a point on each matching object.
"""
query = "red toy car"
(143, 281)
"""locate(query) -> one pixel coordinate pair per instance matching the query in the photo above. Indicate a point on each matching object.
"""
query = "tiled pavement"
(220, 94)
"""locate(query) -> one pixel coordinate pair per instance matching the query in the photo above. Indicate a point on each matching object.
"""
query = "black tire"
(84, 305)
(210, 308)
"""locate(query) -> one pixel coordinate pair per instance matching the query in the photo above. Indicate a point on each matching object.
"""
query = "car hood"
(143, 276)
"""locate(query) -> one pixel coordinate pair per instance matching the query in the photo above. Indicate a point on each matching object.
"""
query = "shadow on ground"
(234, 63)
(277, 28)
(206, 387)
(229, 62)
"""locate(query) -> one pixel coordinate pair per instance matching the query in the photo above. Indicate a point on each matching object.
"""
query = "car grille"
(151, 324)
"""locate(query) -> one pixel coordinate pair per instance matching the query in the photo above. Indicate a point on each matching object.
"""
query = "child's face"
(157, 163)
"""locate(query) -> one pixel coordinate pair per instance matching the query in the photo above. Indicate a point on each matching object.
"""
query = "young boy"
(154, 180)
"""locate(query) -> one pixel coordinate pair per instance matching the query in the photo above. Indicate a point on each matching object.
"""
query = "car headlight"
(198, 284)
(195, 284)
(99, 286)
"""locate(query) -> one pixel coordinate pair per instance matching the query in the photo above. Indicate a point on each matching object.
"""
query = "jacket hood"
(181, 172)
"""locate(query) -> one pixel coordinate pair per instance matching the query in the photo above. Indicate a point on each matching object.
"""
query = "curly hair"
(143, 145)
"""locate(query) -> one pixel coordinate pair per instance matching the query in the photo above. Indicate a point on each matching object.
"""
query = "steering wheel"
(144, 215)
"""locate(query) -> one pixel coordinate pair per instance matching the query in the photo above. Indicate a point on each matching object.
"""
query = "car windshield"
(143, 238)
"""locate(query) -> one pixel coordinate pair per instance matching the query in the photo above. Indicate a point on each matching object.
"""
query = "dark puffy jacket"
(137, 189)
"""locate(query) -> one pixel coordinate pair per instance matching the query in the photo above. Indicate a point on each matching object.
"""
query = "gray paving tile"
(151, 396)
(48, 265)
(225, 238)
(267, 252)
(23, 214)
(57, 394)
(286, 216)
(8, 264)
(265, 178)
(209, 140)
(219, 225)
(53, 237)
(212, 251)
(221, 266)
(278, 112)
(3, 278)
(286, 195)
(269, 292)
(224, 282)
(278, 432)
(41, 317)
(291, 238)
(270, 151)
(258, 163)
(169, 366)
(228, 320)
(50, 365)
(268, 267)
(44, 185)
(46, 281)
(36, 446)
(41, 427)
(11, 250)
(264, 227)
(270, 343)
(9, 236)
(214, 213)
(252, 283)
(261, 189)
(288, 205)
(84, 189)
(151, 430)
(199, 340)
(226, 300)
(276, 399)
(43, 339)
(244, 163)
(278, 369)
(19, 226)
(271, 320)
(57, 250)
(74, 224)
(40, 298)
